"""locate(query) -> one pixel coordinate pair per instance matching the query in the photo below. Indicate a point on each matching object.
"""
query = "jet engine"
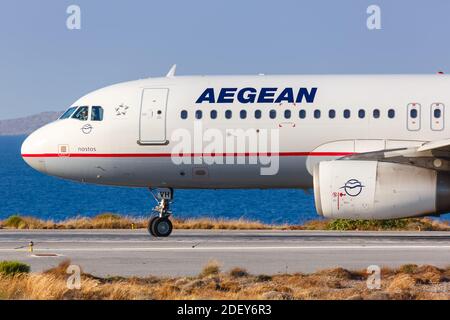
(354, 189)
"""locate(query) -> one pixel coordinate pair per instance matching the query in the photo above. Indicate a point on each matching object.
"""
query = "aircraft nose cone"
(32, 152)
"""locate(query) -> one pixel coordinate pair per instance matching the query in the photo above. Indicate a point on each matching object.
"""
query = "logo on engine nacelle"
(352, 187)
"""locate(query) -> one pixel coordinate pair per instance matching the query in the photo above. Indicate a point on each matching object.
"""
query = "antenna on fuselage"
(171, 72)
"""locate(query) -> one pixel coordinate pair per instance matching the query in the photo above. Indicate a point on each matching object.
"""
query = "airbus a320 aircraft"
(372, 146)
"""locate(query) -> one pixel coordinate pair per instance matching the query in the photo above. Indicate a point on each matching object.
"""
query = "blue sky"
(44, 66)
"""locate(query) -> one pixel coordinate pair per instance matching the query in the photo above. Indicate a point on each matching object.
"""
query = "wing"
(431, 155)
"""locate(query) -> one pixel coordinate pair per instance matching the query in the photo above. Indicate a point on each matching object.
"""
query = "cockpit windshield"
(81, 113)
(68, 113)
(97, 113)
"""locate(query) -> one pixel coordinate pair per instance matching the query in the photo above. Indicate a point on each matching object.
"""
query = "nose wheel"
(160, 224)
(160, 227)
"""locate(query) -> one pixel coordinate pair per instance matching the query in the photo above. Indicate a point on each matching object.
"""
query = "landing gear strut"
(160, 225)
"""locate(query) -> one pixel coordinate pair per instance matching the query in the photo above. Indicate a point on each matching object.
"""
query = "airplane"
(371, 146)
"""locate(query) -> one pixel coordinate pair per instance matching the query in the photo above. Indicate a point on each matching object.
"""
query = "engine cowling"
(354, 189)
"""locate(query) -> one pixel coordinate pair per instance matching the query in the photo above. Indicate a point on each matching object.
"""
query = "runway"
(184, 253)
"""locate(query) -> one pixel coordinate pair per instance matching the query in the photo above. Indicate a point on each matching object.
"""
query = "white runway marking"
(396, 247)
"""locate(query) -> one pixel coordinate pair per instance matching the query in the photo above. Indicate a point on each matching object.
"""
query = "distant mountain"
(26, 125)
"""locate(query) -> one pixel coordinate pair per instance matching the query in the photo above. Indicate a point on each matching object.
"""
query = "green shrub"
(347, 224)
(14, 222)
(10, 268)
(408, 268)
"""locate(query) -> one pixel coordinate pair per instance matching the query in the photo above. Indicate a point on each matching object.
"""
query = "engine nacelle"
(378, 190)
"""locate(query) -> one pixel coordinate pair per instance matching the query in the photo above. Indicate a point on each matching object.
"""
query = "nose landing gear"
(160, 225)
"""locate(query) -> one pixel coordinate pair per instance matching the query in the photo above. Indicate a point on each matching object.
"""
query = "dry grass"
(103, 221)
(222, 224)
(113, 221)
(211, 268)
(412, 282)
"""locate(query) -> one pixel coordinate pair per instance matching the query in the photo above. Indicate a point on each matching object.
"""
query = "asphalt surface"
(135, 253)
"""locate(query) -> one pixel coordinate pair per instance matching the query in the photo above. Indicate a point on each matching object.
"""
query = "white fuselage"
(138, 140)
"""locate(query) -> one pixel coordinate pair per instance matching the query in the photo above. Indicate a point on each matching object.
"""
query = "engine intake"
(354, 189)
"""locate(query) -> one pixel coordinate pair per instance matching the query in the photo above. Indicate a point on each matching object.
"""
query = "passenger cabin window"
(346, 113)
(228, 114)
(391, 113)
(302, 114)
(437, 113)
(287, 114)
(184, 114)
(272, 114)
(361, 113)
(376, 113)
(331, 114)
(258, 114)
(97, 113)
(68, 113)
(317, 113)
(243, 114)
(198, 114)
(81, 114)
(213, 114)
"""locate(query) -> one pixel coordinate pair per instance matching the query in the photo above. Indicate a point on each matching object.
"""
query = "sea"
(27, 192)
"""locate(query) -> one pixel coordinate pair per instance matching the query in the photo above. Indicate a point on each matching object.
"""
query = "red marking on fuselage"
(169, 155)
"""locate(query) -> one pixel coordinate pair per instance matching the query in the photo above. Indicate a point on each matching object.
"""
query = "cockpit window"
(81, 113)
(97, 114)
(68, 113)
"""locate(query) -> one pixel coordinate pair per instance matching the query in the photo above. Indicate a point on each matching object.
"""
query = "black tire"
(150, 225)
(162, 227)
